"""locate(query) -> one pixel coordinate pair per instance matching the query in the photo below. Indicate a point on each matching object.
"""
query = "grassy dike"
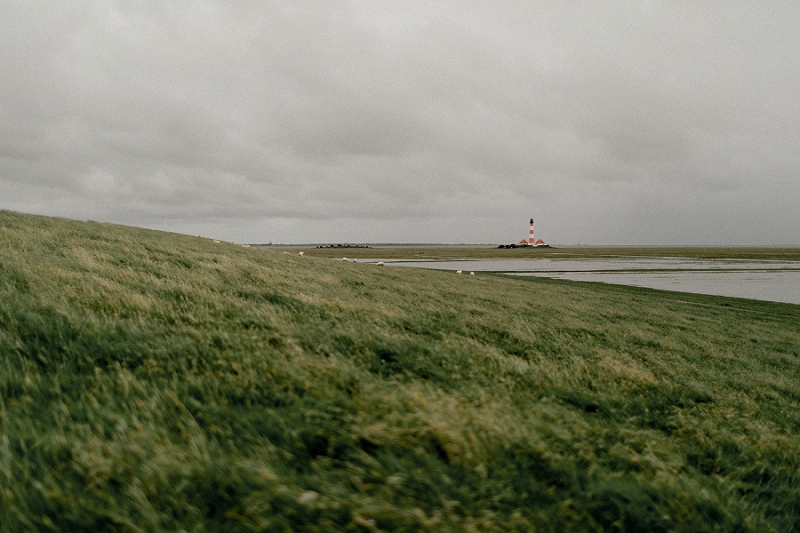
(160, 382)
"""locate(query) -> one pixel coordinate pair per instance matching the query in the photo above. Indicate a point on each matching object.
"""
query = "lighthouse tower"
(531, 240)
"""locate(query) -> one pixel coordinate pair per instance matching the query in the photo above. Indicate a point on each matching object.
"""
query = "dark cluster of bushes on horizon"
(512, 245)
(342, 246)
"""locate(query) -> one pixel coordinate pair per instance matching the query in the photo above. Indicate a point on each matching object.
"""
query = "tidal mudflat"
(768, 280)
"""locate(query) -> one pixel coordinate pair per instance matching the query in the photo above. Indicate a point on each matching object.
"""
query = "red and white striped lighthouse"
(531, 240)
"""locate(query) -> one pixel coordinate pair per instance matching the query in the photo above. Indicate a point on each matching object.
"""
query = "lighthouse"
(531, 240)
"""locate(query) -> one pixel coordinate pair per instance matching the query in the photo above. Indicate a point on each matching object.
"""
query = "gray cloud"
(620, 122)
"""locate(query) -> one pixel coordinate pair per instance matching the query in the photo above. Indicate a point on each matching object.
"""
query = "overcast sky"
(609, 122)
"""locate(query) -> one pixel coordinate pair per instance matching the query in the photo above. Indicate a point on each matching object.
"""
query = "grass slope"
(159, 382)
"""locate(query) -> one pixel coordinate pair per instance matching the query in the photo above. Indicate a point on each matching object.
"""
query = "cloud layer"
(612, 123)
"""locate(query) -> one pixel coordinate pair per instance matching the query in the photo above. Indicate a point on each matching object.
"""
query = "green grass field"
(159, 382)
(751, 253)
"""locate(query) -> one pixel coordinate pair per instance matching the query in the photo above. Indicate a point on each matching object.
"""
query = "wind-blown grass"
(159, 382)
